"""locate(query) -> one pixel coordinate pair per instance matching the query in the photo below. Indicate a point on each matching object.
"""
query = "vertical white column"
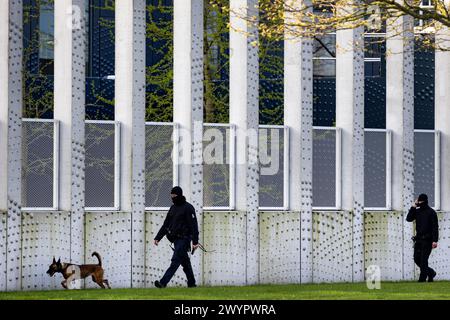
(11, 134)
(69, 102)
(400, 120)
(244, 82)
(188, 105)
(130, 28)
(442, 109)
(298, 115)
(350, 118)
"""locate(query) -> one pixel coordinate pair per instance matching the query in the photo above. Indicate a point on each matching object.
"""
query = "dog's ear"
(54, 261)
(59, 261)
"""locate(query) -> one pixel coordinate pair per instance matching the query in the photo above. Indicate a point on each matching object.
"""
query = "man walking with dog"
(180, 227)
(427, 235)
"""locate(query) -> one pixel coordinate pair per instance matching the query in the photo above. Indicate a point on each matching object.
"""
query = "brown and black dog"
(85, 270)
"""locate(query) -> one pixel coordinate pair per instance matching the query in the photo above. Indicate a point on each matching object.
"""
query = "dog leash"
(193, 250)
(202, 248)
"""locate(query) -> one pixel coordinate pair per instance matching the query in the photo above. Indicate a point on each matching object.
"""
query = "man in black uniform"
(180, 227)
(427, 235)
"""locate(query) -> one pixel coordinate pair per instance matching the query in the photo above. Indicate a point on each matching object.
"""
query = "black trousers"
(180, 257)
(422, 251)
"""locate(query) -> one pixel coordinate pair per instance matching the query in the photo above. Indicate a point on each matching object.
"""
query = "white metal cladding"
(350, 118)
(250, 246)
(109, 234)
(225, 233)
(332, 246)
(279, 236)
(3, 237)
(130, 28)
(10, 135)
(400, 119)
(383, 232)
(244, 113)
(69, 110)
(440, 257)
(298, 116)
(45, 234)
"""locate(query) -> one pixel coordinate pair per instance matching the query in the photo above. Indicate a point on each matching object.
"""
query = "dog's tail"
(98, 257)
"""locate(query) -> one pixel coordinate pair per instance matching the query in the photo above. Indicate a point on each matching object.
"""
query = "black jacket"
(180, 222)
(426, 222)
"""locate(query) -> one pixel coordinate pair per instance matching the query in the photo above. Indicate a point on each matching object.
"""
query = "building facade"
(308, 180)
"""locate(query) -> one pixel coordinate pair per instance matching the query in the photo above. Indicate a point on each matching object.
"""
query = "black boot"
(159, 284)
(431, 275)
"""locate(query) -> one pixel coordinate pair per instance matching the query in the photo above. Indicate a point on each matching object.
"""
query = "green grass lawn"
(389, 290)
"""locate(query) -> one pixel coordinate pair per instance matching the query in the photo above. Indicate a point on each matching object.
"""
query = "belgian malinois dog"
(66, 270)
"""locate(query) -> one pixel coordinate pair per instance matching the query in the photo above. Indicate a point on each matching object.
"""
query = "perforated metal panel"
(271, 156)
(37, 164)
(3, 217)
(324, 168)
(375, 169)
(332, 246)
(44, 235)
(244, 113)
(383, 235)
(109, 234)
(440, 257)
(157, 258)
(99, 165)
(424, 164)
(224, 232)
(216, 166)
(158, 165)
(10, 135)
(279, 247)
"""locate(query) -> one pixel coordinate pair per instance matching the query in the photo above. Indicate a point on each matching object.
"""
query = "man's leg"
(417, 254)
(177, 258)
(425, 250)
(187, 268)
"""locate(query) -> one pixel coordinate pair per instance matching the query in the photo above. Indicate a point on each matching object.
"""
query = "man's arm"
(411, 214)
(163, 231)
(193, 225)
(434, 227)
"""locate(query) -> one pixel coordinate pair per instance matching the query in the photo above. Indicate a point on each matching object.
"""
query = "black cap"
(177, 190)
(423, 197)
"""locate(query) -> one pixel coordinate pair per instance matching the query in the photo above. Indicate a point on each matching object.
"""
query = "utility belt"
(171, 236)
(421, 237)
